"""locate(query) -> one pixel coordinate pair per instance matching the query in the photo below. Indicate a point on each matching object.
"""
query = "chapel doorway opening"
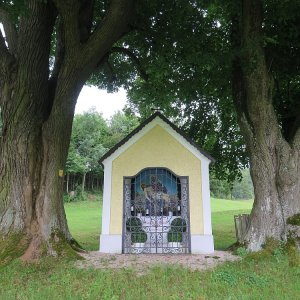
(156, 212)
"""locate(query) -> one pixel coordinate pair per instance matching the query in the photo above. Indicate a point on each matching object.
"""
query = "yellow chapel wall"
(157, 148)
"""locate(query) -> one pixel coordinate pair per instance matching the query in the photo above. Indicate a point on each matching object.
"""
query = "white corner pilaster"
(106, 197)
(206, 197)
(111, 243)
(202, 244)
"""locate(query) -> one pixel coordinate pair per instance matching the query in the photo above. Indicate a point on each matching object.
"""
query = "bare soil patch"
(142, 262)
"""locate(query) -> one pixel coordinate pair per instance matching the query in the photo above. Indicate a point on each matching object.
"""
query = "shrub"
(138, 237)
(134, 224)
(294, 220)
(67, 198)
(174, 237)
(178, 225)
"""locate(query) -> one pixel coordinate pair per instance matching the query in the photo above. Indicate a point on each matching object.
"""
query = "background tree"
(119, 126)
(241, 188)
(221, 189)
(89, 131)
(91, 137)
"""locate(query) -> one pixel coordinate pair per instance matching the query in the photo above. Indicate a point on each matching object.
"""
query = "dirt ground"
(142, 262)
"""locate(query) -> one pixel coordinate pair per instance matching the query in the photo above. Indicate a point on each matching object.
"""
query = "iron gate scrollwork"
(156, 213)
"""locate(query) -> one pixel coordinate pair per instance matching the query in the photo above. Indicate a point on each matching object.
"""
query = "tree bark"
(92, 181)
(33, 152)
(274, 163)
(83, 182)
(67, 187)
(37, 114)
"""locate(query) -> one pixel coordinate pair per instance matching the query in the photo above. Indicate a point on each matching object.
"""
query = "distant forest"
(239, 189)
(92, 136)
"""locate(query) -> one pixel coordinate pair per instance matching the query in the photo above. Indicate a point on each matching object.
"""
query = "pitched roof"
(146, 122)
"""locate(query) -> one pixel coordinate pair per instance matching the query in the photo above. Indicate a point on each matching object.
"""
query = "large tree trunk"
(23, 101)
(274, 163)
(275, 172)
(34, 152)
(37, 113)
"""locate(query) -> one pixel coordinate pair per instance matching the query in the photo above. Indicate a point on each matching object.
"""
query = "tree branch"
(85, 21)
(134, 59)
(69, 10)
(239, 94)
(59, 58)
(5, 57)
(10, 31)
(115, 24)
(110, 70)
(60, 49)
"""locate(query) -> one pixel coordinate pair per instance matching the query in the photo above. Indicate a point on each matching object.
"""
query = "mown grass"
(223, 212)
(222, 205)
(255, 277)
(84, 219)
(266, 278)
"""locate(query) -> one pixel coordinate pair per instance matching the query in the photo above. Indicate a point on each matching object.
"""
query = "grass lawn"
(268, 278)
(84, 219)
(223, 212)
(259, 276)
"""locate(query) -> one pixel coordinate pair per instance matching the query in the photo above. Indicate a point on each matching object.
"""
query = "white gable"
(157, 121)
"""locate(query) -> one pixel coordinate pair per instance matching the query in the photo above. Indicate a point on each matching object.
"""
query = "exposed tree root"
(59, 246)
(76, 246)
(19, 245)
(233, 247)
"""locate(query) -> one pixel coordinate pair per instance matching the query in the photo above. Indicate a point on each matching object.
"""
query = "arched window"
(156, 192)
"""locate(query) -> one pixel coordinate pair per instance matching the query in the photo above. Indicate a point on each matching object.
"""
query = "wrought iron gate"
(156, 213)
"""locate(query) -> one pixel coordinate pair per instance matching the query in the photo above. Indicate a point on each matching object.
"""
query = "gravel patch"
(142, 262)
